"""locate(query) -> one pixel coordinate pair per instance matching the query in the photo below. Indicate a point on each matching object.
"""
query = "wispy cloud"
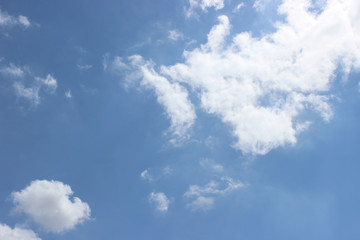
(12, 70)
(203, 198)
(84, 67)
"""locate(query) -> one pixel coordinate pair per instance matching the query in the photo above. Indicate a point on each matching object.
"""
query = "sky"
(179, 120)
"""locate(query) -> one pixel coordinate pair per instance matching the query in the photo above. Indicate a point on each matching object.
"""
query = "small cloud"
(31, 93)
(201, 203)
(7, 20)
(13, 71)
(167, 171)
(238, 7)
(160, 201)
(84, 67)
(204, 197)
(146, 175)
(212, 165)
(49, 82)
(175, 35)
(68, 94)
(48, 204)
(24, 21)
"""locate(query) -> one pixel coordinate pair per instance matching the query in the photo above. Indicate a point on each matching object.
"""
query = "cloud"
(49, 82)
(68, 94)
(203, 197)
(10, 21)
(238, 7)
(32, 93)
(48, 204)
(146, 175)
(202, 203)
(7, 233)
(175, 35)
(160, 200)
(203, 5)
(171, 95)
(264, 87)
(84, 67)
(212, 165)
(13, 71)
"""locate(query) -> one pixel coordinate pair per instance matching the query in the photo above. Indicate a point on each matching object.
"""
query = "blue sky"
(189, 119)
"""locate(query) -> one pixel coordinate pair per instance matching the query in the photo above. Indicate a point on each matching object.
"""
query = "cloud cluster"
(9, 20)
(203, 198)
(48, 204)
(7, 233)
(261, 87)
(160, 200)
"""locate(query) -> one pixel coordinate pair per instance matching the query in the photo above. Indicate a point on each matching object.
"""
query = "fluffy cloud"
(9, 20)
(49, 205)
(203, 197)
(160, 200)
(203, 5)
(7, 233)
(261, 87)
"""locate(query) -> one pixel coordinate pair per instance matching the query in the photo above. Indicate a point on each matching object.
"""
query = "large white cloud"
(8, 233)
(49, 205)
(261, 87)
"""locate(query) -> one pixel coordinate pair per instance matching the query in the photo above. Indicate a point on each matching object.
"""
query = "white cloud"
(203, 5)
(260, 87)
(24, 21)
(31, 93)
(202, 203)
(68, 94)
(203, 197)
(238, 7)
(9, 20)
(49, 205)
(7, 233)
(225, 185)
(12, 70)
(146, 175)
(49, 82)
(160, 200)
(171, 95)
(175, 35)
